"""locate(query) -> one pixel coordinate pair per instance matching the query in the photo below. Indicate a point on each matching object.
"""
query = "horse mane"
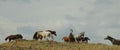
(34, 37)
(110, 37)
(52, 32)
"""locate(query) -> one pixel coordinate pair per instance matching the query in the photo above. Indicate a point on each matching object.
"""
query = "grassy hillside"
(52, 45)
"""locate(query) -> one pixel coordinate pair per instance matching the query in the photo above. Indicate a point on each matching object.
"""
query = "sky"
(97, 18)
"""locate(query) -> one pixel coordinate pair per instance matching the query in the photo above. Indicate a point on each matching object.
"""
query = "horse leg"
(52, 38)
(86, 41)
(9, 40)
(78, 41)
(45, 38)
(36, 38)
(41, 37)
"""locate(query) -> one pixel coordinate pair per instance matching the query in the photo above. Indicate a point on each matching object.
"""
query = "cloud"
(18, 0)
(98, 18)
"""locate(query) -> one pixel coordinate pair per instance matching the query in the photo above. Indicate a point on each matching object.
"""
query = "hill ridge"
(53, 45)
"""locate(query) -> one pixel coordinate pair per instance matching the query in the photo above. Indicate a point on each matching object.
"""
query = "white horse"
(44, 34)
(79, 36)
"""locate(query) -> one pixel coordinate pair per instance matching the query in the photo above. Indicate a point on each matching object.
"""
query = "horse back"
(66, 39)
(116, 42)
(45, 33)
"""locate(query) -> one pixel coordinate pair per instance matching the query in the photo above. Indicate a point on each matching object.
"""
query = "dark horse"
(85, 39)
(113, 40)
(44, 34)
(71, 36)
(14, 37)
(82, 39)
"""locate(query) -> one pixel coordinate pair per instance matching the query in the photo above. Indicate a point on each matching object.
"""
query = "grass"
(53, 45)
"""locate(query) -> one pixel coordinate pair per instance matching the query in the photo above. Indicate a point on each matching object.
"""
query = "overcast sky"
(98, 18)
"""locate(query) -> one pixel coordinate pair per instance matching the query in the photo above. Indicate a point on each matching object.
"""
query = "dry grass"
(52, 45)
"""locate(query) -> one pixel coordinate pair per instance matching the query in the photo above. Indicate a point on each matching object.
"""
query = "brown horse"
(14, 37)
(66, 39)
(113, 40)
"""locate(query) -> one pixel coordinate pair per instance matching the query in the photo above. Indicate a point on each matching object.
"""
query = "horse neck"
(71, 34)
(80, 35)
(7, 38)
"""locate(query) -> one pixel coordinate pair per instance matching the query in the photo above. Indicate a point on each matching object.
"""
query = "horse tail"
(34, 37)
(6, 38)
(63, 38)
(21, 37)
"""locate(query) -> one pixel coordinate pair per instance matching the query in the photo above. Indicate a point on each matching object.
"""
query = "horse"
(14, 37)
(79, 37)
(85, 39)
(66, 39)
(71, 36)
(113, 40)
(44, 34)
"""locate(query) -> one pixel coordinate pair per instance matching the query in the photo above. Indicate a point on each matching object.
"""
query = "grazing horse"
(14, 37)
(66, 39)
(44, 34)
(113, 40)
(79, 37)
(71, 36)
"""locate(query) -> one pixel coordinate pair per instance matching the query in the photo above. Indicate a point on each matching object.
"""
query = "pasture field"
(53, 45)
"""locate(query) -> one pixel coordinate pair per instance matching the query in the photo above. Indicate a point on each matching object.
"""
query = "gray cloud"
(98, 18)
(28, 1)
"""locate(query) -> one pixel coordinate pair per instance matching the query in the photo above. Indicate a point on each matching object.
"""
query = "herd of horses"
(78, 38)
(49, 35)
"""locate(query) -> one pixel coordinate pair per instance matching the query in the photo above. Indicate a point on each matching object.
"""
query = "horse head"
(54, 32)
(108, 38)
(71, 30)
(7, 38)
(87, 38)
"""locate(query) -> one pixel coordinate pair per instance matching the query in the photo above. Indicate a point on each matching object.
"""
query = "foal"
(113, 40)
